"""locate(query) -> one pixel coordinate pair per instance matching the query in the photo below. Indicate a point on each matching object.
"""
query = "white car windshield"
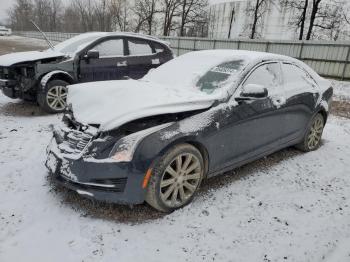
(205, 72)
(72, 45)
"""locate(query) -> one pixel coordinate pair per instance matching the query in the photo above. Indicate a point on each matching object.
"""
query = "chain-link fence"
(329, 59)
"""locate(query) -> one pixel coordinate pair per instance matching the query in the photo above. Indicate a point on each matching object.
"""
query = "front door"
(254, 126)
(111, 64)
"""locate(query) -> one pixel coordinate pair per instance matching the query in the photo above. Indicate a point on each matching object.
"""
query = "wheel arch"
(324, 114)
(193, 142)
(55, 75)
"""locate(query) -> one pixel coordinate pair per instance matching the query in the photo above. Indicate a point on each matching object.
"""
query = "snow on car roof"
(130, 34)
(185, 69)
(78, 42)
(245, 54)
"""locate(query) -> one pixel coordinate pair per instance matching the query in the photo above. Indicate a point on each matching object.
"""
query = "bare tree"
(102, 14)
(20, 15)
(71, 20)
(314, 11)
(151, 16)
(42, 12)
(192, 11)
(170, 10)
(330, 21)
(55, 15)
(120, 12)
(257, 10)
(300, 10)
(145, 11)
(322, 20)
(85, 8)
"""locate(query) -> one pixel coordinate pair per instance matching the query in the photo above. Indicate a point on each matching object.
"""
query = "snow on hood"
(20, 57)
(111, 104)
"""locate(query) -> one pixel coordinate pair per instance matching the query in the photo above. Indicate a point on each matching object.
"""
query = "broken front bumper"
(96, 179)
(8, 87)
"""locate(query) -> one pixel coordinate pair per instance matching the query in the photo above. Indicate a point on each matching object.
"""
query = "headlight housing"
(124, 149)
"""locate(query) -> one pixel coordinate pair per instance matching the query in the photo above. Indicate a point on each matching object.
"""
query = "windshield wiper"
(44, 35)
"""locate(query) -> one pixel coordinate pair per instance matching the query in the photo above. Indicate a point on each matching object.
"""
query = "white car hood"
(111, 104)
(20, 57)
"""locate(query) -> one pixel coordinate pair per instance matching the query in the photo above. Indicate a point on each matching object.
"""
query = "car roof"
(241, 54)
(129, 34)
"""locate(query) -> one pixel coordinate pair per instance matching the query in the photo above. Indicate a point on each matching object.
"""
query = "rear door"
(111, 65)
(141, 57)
(301, 96)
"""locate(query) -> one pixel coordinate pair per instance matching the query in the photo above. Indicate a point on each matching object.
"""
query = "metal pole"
(346, 63)
(301, 50)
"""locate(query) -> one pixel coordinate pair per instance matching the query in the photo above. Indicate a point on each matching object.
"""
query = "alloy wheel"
(315, 133)
(56, 97)
(180, 180)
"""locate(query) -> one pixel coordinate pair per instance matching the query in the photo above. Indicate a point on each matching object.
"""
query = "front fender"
(56, 74)
(153, 147)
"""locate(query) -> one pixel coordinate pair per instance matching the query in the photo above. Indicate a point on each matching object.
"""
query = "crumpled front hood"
(21, 57)
(111, 104)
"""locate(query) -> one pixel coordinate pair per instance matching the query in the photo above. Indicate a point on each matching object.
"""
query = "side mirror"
(92, 54)
(254, 91)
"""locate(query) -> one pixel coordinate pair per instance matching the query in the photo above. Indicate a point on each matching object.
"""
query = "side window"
(139, 47)
(158, 47)
(295, 77)
(110, 48)
(267, 75)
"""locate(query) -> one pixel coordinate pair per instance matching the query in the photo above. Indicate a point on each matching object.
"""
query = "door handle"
(123, 63)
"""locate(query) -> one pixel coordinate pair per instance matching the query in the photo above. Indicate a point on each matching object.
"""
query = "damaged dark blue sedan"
(156, 139)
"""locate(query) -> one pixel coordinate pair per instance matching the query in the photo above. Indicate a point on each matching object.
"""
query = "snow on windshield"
(73, 45)
(193, 70)
(219, 75)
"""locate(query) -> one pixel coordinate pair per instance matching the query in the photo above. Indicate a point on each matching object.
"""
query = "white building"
(274, 24)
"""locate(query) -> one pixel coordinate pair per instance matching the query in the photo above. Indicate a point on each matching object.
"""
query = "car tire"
(313, 135)
(186, 166)
(53, 98)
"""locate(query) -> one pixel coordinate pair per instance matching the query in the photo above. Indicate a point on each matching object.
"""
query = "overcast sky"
(6, 4)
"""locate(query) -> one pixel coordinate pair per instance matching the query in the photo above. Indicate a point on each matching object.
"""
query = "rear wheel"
(54, 97)
(175, 178)
(313, 136)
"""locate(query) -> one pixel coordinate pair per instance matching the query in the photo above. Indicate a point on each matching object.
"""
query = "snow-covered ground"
(288, 207)
(341, 90)
(27, 40)
(10, 44)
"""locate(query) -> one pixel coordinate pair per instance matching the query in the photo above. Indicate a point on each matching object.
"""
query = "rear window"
(296, 77)
(158, 47)
(139, 47)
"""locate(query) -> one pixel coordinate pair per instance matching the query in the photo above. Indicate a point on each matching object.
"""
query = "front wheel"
(175, 178)
(313, 135)
(53, 99)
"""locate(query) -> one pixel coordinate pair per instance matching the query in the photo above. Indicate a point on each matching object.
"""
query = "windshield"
(72, 45)
(219, 75)
(205, 71)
